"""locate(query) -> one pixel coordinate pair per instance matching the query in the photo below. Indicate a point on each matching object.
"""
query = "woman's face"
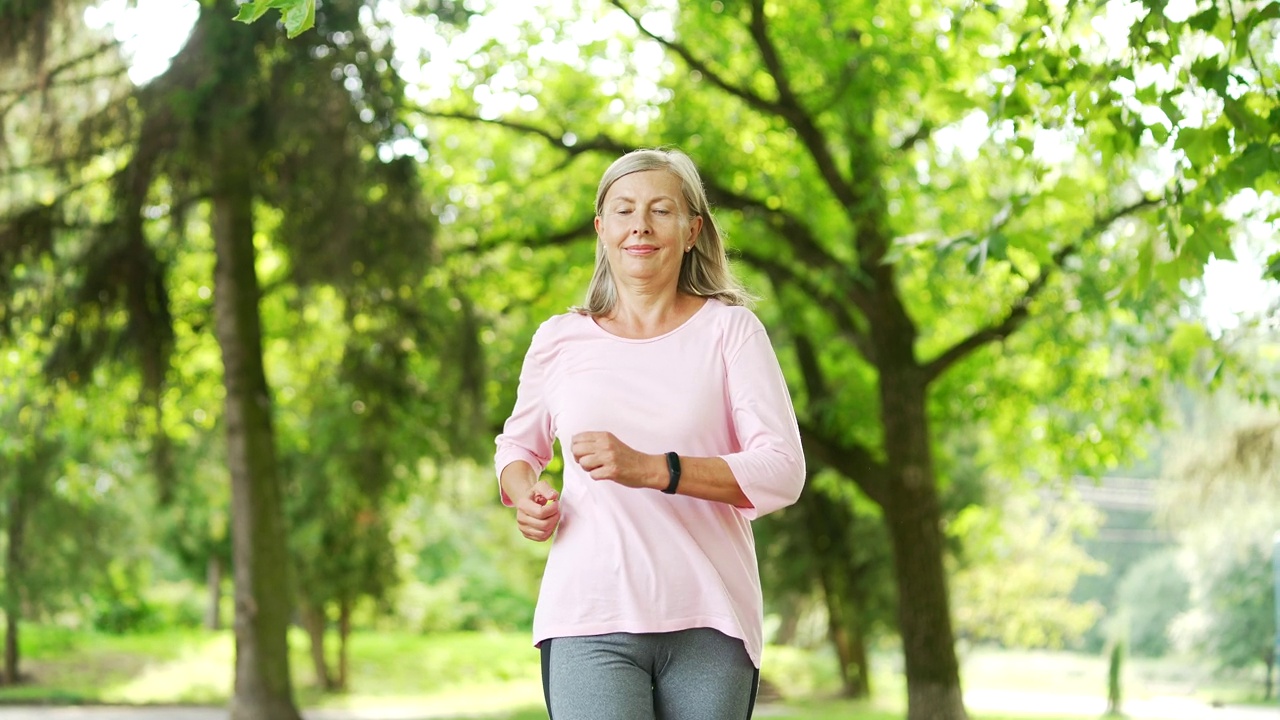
(645, 226)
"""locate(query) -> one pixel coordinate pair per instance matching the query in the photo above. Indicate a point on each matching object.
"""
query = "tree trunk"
(213, 576)
(259, 544)
(1271, 663)
(313, 621)
(13, 583)
(914, 519)
(851, 647)
(830, 525)
(344, 635)
(790, 610)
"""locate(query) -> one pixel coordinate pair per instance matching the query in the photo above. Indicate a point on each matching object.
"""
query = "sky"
(154, 31)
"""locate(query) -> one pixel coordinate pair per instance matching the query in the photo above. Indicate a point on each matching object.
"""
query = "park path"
(1031, 704)
(987, 702)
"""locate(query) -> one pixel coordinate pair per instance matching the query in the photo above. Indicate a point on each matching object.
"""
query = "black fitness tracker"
(673, 471)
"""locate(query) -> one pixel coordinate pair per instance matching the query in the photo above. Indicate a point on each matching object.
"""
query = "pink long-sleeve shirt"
(639, 561)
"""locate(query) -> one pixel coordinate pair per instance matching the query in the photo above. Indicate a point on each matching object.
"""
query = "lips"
(641, 249)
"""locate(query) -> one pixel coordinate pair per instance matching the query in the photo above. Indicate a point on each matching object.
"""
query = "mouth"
(640, 249)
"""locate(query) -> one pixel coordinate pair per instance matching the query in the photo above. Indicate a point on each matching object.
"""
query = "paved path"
(1031, 704)
(101, 712)
(1009, 702)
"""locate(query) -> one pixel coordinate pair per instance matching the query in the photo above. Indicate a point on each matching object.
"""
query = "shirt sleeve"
(769, 465)
(527, 434)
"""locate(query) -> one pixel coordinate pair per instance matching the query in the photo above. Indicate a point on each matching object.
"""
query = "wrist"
(658, 472)
(672, 461)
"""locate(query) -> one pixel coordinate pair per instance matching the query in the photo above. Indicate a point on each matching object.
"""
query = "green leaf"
(1272, 271)
(1256, 160)
(997, 246)
(976, 257)
(299, 18)
(1206, 20)
(1246, 121)
(1203, 145)
(251, 11)
(298, 15)
(1211, 74)
(993, 247)
(1253, 20)
(1173, 229)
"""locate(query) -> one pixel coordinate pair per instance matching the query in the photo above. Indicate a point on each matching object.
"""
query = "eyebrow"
(628, 198)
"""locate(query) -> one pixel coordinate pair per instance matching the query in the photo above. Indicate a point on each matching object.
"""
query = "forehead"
(646, 185)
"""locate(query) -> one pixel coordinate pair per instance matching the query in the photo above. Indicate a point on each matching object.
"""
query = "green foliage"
(1222, 504)
(1238, 606)
(1019, 564)
(1151, 596)
(298, 16)
(469, 569)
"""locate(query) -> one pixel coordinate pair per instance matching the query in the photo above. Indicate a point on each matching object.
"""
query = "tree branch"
(783, 276)
(851, 459)
(789, 107)
(1019, 312)
(754, 100)
(599, 143)
(922, 133)
(564, 237)
(801, 239)
(786, 106)
(44, 80)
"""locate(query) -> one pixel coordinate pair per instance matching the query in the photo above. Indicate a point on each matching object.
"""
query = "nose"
(640, 224)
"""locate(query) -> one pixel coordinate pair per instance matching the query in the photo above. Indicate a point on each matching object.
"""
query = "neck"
(644, 312)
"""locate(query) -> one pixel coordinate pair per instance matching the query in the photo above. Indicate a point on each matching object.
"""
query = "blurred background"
(267, 288)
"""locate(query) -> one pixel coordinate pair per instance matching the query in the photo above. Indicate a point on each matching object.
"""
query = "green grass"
(497, 675)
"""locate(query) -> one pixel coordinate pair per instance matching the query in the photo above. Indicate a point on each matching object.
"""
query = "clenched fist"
(605, 457)
(538, 511)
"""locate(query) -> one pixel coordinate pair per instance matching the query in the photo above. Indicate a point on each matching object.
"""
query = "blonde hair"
(704, 270)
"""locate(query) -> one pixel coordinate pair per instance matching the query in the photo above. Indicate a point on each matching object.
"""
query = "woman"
(669, 404)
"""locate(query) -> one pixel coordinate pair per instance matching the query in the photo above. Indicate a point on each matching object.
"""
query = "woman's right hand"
(538, 511)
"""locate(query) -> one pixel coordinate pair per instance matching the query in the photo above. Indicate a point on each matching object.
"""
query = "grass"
(497, 675)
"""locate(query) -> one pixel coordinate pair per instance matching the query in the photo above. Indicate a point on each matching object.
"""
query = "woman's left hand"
(605, 457)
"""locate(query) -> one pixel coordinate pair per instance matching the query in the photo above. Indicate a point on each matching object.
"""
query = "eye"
(624, 211)
(662, 211)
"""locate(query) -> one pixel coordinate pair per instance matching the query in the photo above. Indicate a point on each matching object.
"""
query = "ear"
(598, 224)
(695, 227)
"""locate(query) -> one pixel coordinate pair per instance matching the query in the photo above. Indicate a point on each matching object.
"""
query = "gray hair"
(704, 271)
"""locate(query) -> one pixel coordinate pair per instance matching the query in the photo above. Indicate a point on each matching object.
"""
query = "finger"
(541, 512)
(539, 529)
(581, 446)
(542, 493)
(589, 439)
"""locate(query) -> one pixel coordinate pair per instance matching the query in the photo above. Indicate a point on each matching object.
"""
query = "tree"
(231, 129)
(1222, 503)
(57, 486)
(969, 214)
(1019, 565)
(831, 546)
(1152, 594)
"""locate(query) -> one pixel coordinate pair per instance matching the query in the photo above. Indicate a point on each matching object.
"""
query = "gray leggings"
(698, 674)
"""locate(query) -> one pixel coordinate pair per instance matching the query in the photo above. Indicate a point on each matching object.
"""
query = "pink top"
(629, 560)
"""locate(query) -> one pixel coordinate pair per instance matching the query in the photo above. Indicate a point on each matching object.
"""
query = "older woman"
(667, 399)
